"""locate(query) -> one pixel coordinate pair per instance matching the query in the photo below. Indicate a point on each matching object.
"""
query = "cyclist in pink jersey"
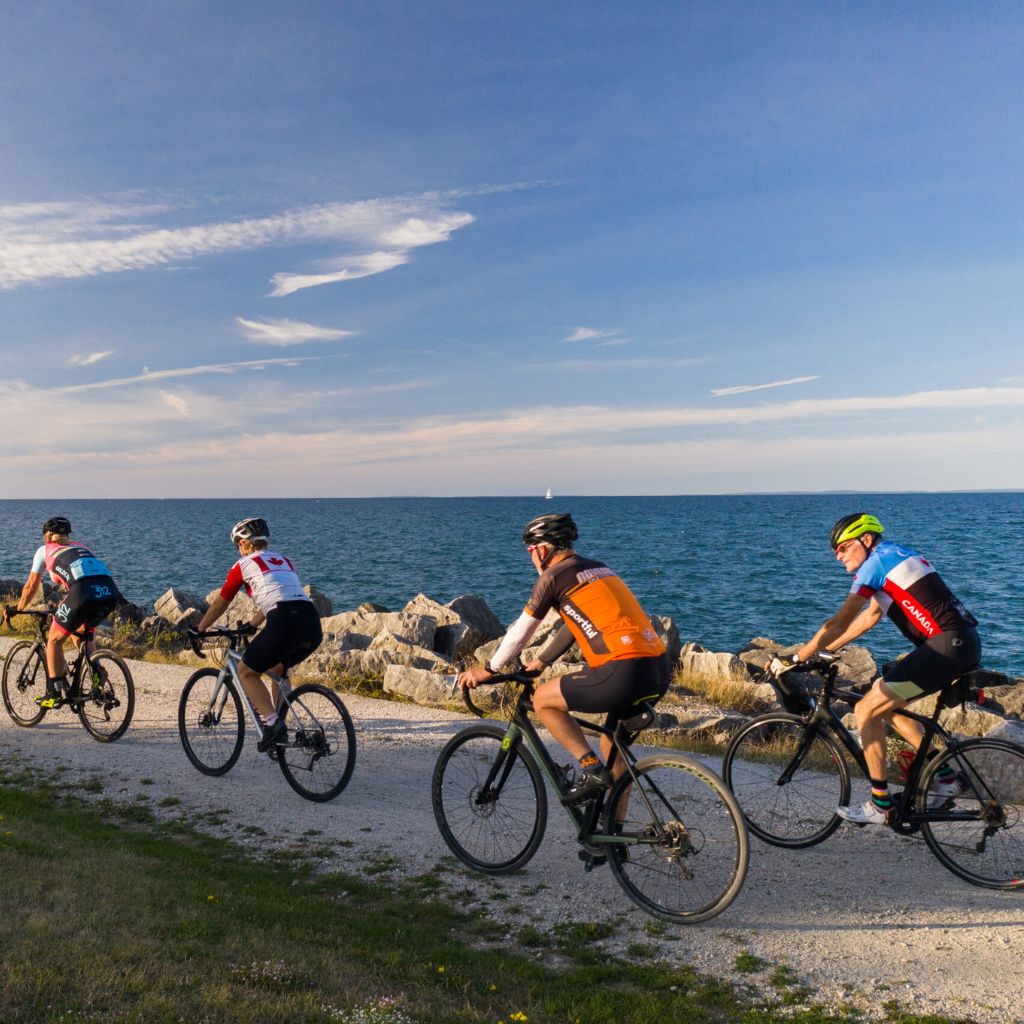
(292, 631)
(90, 595)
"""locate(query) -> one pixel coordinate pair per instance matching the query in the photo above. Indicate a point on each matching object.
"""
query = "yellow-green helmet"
(853, 526)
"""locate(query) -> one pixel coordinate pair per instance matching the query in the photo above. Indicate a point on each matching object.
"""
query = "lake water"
(726, 568)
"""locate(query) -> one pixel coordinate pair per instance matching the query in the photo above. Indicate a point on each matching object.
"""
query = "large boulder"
(321, 602)
(475, 612)
(397, 650)
(668, 633)
(453, 637)
(422, 686)
(1005, 774)
(418, 629)
(541, 635)
(695, 661)
(180, 608)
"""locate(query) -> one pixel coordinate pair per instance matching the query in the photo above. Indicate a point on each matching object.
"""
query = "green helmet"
(853, 526)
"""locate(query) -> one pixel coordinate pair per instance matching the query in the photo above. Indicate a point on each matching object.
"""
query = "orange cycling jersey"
(598, 608)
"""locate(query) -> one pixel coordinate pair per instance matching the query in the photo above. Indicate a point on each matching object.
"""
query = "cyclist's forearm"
(868, 619)
(517, 637)
(28, 591)
(217, 608)
(560, 642)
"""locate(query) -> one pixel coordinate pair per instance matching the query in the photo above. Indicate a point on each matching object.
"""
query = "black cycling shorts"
(291, 634)
(615, 685)
(934, 664)
(89, 601)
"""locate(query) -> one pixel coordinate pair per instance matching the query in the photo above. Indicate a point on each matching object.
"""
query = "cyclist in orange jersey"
(626, 662)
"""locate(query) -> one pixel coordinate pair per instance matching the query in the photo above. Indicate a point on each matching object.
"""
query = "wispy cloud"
(88, 360)
(148, 376)
(287, 332)
(47, 241)
(742, 389)
(176, 402)
(588, 334)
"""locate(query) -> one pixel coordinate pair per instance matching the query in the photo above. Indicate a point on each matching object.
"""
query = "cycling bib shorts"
(934, 664)
(86, 603)
(291, 634)
(616, 685)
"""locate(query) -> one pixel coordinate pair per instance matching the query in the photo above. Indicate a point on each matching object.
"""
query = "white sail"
(549, 495)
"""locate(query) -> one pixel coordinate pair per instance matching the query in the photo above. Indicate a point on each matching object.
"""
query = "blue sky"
(329, 249)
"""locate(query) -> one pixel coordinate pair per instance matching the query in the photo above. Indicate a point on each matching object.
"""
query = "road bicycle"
(99, 685)
(671, 832)
(316, 756)
(789, 774)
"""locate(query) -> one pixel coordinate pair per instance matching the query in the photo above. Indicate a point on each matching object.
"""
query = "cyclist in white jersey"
(292, 631)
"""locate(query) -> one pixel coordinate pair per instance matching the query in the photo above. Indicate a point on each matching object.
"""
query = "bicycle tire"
(320, 753)
(988, 849)
(212, 738)
(692, 852)
(24, 679)
(499, 833)
(802, 812)
(107, 696)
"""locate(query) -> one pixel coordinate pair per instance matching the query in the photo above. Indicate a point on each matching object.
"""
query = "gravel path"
(863, 909)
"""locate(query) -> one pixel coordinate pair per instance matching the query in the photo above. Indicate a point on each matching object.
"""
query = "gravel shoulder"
(864, 908)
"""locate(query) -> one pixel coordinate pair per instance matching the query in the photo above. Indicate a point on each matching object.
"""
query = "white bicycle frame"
(220, 694)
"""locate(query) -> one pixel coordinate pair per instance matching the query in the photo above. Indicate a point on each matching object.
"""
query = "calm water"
(727, 568)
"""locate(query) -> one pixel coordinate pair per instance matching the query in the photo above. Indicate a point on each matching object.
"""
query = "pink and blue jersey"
(910, 591)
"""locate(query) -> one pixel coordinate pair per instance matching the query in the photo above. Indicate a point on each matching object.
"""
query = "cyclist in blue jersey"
(90, 595)
(895, 581)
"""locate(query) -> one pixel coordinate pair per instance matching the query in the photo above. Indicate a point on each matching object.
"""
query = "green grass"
(159, 923)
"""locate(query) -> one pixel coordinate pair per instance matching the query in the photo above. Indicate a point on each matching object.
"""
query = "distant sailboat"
(549, 495)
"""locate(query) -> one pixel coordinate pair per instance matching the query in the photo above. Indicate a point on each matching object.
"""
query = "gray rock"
(419, 629)
(423, 687)
(454, 637)
(397, 650)
(1007, 775)
(668, 633)
(476, 613)
(180, 608)
(372, 606)
(321, 602)
(694, 660)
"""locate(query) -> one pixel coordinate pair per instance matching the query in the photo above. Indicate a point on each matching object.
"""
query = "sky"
(379, 248)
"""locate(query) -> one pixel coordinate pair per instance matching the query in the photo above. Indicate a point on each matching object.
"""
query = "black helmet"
(557, 530)
(250, 529)
(855, 525)
(58, 525)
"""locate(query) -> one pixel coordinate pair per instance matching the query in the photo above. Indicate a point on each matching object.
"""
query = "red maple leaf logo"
(277, 561)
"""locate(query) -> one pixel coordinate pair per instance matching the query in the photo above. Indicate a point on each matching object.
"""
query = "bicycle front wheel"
(24, 679)
(489, 800)
(210, 722)
(788, 778)
(318, 757)
(689, 851)
(107, 695)
(979, 834)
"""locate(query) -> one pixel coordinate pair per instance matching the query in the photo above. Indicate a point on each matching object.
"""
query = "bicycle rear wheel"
(318, 757)
(788, 778)
(979, 834)
(210, 722)
(690, 851)
(489, 800)
(107, 695)
(24, 679)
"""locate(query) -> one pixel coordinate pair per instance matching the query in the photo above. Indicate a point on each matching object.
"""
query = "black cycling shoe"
(590, 783)
(272, 736)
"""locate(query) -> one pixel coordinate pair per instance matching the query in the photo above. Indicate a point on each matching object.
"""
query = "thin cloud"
(148, 376)
(287, 332)
(176, 402)
(588, 334)
(742, 389)
(50, 241)
(88, 360)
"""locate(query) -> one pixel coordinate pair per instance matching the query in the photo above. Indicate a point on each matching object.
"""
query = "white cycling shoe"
(864, 814)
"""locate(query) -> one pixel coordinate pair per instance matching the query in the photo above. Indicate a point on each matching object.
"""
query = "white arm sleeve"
(517, 637)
